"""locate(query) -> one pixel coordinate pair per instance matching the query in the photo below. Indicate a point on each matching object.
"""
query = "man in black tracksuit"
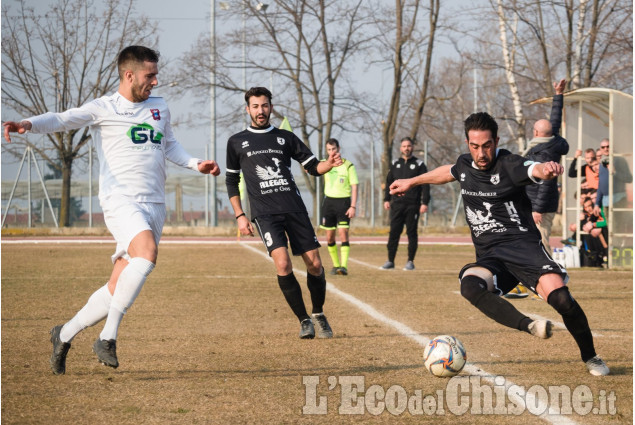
(407, 208)
(547, 145)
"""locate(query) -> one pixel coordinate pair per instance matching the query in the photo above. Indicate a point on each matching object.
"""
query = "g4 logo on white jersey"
(142, 133)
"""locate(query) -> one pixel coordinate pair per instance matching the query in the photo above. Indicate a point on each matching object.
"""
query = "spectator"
(621, 176)
(547, 145)
(588, 171)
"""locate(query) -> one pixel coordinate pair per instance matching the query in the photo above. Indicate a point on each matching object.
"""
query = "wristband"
(239, 215)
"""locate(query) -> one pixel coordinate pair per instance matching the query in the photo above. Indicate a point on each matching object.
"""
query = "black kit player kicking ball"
(263, 153)
(508, 244)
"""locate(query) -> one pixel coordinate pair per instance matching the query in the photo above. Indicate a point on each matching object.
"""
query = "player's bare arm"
(547, 170)
(15, 127)
(334, 160)
(209, 167)
(440, 175)
(244, 226)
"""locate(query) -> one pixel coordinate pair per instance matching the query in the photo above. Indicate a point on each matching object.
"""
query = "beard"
(139, 94)
(260, 120)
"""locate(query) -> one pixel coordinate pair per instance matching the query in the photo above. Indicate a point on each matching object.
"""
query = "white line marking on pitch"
(423, 340)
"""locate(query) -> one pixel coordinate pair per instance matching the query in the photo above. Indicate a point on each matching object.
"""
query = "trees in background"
(358, 70)
(61, 58)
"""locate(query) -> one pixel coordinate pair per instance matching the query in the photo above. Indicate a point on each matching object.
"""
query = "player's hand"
(551, 170)
(335, 159)
(350, 212)
(588, 226)
(400, 187)
(578, 153)
(537, 217)
(244, 226)
(209, 167)
(15, 127)
(386, 205)
(423, 209)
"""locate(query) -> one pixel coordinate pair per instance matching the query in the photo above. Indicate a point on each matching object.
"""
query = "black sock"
(317, 287)
(474, 289)
(574, 319)
(293, 294)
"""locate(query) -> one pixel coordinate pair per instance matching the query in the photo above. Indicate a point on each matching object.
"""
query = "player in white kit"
(133, 138)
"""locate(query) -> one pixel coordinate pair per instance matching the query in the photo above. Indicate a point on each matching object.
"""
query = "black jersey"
(264, 156)
(497, 208)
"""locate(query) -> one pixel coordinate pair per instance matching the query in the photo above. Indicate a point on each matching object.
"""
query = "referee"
(407, 208)
(339, 206)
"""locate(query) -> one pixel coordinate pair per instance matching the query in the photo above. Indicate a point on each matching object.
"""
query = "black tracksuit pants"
(403, 213)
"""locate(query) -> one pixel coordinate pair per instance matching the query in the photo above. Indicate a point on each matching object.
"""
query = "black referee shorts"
(274, 229)
(513, 263)
(334, 213)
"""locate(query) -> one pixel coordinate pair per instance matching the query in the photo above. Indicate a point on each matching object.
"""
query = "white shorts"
(125, 219)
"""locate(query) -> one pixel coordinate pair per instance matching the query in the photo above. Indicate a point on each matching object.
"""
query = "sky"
(179, 27)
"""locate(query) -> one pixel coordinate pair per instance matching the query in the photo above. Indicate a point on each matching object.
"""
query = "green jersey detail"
(338, 181)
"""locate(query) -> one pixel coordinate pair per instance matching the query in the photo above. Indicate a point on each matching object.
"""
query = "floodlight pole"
(213, 219)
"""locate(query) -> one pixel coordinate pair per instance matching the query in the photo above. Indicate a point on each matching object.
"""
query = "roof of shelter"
(587, 95)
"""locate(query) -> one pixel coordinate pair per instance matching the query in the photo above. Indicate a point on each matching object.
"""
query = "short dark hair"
(407, 139)
(333, 142)
(137, 55)
(257, 92)
(481, 121)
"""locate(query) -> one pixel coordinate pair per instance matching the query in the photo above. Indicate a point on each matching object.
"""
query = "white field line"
(423, 340)
(556, 323)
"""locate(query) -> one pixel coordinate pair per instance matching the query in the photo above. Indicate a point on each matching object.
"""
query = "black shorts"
(516, 263)
(274, 229)
(334, 213)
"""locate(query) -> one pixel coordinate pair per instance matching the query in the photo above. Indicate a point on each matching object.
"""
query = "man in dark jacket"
(407, 208)
(547, 145)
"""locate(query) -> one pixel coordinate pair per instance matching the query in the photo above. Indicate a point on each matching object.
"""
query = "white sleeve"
(176, 153)
(71, 119)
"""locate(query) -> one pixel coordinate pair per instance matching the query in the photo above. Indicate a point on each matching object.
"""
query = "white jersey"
(133, 140)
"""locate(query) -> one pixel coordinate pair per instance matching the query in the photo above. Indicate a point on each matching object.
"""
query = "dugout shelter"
(590, 115)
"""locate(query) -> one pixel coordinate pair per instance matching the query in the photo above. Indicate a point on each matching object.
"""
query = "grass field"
(210, 340)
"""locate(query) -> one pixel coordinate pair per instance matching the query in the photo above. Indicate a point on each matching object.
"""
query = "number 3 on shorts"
(268, 240)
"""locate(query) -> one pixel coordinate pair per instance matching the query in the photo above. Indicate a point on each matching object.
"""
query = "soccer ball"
(444, 356)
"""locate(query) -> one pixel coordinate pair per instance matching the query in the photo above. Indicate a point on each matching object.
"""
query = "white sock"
(95, 310)
(130, 282)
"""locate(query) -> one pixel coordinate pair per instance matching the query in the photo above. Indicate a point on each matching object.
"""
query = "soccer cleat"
(388, 265)
(323, 328)
(409, 266)
(307, 331)
(342, 271)
(60, 350)
(518, 292)
(334, 270)
(106, 351)
(541, 328)
(597, 367)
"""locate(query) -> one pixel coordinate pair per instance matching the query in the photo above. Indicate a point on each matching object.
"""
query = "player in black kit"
(264, 154)
(508, 244)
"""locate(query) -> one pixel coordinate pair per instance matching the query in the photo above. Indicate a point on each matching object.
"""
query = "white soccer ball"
(444, 356)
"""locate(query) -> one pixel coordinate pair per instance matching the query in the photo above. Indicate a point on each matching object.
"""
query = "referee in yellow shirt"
(340, 203)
